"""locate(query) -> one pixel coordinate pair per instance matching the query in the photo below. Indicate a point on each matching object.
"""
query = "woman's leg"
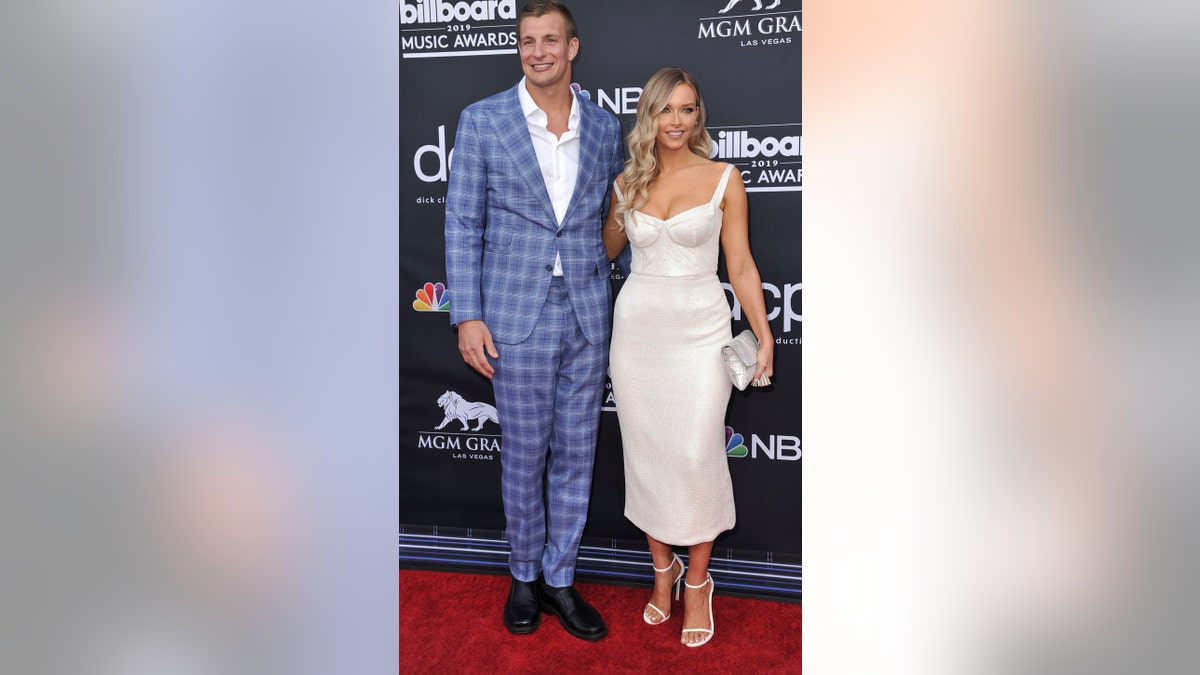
(662, 558)
(696, 600)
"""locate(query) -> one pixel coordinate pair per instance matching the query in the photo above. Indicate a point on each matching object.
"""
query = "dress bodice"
(686, 244)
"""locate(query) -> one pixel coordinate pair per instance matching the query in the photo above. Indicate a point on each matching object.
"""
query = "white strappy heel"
(650, 606)
(708, 631)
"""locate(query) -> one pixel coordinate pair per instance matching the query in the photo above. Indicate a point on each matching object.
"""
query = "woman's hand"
(766, 359)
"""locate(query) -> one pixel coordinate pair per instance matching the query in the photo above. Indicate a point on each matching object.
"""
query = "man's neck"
(554, 101)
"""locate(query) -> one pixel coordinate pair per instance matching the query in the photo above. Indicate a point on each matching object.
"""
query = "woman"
(670, 321)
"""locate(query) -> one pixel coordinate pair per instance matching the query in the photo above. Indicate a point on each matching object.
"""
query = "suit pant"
(548, 395)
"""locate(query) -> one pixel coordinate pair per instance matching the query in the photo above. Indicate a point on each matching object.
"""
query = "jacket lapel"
(589, 152)
(513, 134)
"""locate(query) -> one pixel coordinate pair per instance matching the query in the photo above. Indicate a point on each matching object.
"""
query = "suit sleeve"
(466, 208)
(616, 160)
(624, 259)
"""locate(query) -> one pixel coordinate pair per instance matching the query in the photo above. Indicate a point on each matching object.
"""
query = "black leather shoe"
(579, 618)
(521, 613)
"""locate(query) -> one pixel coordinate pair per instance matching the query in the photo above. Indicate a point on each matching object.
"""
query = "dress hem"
(689, 541)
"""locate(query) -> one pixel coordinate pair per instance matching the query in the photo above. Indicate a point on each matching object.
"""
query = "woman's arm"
(615, 239)
(743, 273)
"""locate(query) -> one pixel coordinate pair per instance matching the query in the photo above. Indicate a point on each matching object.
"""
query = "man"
(525, 261)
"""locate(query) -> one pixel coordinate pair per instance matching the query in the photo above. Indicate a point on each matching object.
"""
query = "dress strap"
(617, 187)
(720, 191)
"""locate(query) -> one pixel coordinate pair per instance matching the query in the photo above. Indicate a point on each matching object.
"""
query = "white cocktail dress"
(671, 391)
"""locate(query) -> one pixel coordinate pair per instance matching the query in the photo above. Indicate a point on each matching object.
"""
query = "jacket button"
(549, 268)
(558, 234)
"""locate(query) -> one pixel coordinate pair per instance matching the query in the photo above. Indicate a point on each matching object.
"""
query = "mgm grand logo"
(463, 430)
(756, 26)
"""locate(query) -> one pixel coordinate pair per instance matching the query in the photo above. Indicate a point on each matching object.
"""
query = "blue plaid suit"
(552, 334)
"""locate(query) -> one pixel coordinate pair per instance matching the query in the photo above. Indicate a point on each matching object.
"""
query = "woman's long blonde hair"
(641, 169)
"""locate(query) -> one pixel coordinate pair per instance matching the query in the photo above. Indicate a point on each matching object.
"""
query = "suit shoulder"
(603, 118)
(489, 105)
(609, 118)
(590, 108)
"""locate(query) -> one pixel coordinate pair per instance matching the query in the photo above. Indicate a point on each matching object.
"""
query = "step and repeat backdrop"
(746, 57)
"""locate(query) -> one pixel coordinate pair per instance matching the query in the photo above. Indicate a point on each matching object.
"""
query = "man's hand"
(474, 339)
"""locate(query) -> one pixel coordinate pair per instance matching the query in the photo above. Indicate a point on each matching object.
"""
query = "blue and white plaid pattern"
(552, 335)
(501, 233)
(548, 393)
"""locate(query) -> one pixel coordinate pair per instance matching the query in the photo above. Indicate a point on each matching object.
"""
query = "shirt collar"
(530, 108)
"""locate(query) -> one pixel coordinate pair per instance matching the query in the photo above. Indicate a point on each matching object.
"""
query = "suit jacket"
(501, 233)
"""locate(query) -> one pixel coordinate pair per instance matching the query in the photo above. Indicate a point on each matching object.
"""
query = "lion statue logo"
(757, 5)
(457, 409)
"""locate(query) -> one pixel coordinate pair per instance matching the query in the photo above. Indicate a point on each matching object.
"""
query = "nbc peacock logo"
(432, 298)
(781, 447)
(735, 444)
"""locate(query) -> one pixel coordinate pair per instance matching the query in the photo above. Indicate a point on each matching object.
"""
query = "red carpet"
(450, 623)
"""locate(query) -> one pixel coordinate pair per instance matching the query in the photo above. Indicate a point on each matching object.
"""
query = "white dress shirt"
(558, 156)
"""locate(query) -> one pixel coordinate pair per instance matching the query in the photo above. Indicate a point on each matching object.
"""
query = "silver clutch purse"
(740, 356)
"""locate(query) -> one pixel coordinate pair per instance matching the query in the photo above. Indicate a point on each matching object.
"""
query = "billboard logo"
(740, 144)
(432, 298)
(444, 11)
(610, 401)
(444, 28)
(769, 156)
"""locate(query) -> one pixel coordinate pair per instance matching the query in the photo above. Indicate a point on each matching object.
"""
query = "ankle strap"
(708, 578)
(674, 558)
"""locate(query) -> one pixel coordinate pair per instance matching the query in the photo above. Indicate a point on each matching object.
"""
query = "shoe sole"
(523, 630)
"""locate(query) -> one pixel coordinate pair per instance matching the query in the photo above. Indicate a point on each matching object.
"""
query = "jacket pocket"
(497, 240)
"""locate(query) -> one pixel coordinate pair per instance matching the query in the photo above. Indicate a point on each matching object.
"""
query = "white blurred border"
(999, 277)
(200, 336)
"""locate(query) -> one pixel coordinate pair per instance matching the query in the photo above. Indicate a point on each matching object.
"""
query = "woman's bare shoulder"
(702, 167)
(711, 168)
(716, 170)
